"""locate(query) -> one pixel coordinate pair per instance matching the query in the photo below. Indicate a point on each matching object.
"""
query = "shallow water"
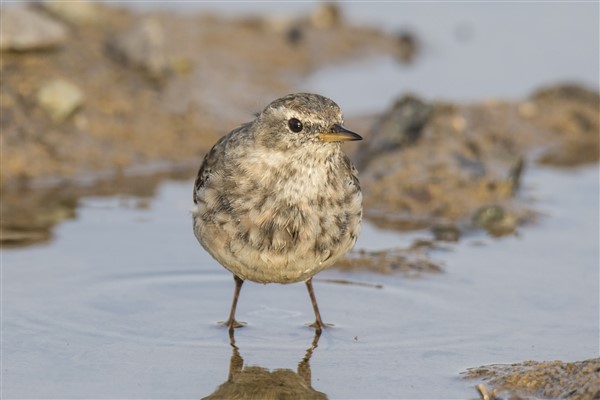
(124, 303)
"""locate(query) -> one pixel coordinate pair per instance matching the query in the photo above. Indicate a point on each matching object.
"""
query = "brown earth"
(451, 167)
(532, 379)
(157, 87)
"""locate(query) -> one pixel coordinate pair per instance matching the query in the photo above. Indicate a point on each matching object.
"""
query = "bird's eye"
(295, 125)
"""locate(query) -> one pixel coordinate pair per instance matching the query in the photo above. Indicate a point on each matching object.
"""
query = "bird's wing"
(205, 170)
(352, 169)
(214, 156)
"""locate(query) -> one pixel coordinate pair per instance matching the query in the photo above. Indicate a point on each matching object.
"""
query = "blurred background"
(479, 169)
(113, 89)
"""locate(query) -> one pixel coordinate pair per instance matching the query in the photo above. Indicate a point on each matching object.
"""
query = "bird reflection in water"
(254, 382)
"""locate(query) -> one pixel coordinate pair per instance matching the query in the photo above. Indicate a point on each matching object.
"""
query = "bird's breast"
(277, 214)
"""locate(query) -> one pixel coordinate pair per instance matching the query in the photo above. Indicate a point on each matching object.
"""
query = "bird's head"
(299, 119)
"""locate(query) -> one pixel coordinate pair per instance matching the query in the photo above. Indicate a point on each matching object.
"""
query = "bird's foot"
(320, 325)
(232, 324)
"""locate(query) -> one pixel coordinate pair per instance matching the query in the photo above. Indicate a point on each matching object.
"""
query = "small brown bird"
(276, 200)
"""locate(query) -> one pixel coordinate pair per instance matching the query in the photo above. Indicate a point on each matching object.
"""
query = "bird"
(276, 200)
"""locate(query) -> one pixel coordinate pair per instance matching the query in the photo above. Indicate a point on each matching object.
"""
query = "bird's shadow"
(256, 382)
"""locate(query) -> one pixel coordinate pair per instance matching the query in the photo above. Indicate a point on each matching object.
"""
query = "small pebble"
(76, 12)
(23, 29)
(59, 98)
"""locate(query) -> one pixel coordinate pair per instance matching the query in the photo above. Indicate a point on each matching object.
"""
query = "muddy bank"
(456, 168)
(532, 379)
(411, 262)
(98, 92)
(81, 96)
(453, 167)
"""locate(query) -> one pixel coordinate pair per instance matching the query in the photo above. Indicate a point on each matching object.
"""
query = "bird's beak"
(339, 134)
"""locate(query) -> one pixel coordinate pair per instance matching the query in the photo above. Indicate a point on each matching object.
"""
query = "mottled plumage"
(276, 200)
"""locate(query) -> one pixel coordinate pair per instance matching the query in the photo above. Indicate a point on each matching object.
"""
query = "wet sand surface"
(481, 240)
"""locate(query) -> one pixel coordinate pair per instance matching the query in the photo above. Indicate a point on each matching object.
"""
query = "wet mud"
(532, 379)
(455, 167)
(411, 262)
(134, 89)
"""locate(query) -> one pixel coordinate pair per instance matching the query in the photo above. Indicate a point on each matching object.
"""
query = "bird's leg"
(231, 323)
(318, 324)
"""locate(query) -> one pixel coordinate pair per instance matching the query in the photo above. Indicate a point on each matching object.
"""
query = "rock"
(398, 127)
(489, 215)
(567, 92)
(424, 168)
(408, 47)
(24, 29)
(570, 113)
(78, 12)
(143, 46)
(439, 164)
(325, 16)
(411, 262)
(549, 380)
(446, 232)
(59, 98)
(496, 220)
(294, 35)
